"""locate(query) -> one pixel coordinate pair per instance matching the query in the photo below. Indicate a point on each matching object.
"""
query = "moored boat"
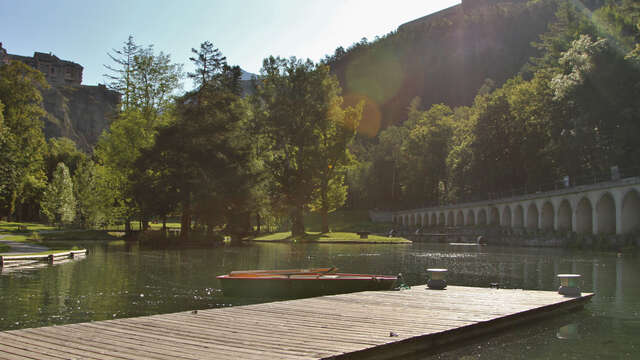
(300, 283)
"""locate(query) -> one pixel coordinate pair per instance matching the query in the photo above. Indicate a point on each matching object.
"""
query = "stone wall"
(57, 72)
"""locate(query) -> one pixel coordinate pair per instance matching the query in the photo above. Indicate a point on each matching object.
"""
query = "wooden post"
(436, 279)
(569, 285)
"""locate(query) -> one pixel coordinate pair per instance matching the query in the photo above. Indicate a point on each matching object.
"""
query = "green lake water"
(121, 280)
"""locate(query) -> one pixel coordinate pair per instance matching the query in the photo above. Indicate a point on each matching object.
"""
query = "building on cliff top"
(57, 72)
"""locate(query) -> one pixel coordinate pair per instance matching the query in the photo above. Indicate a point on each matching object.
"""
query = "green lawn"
(346, 221)
(19, 231)
(332, 237)
(14, 237)
(15, 227)
(4, 248)
(135, 226)
(78, 235)
(15, 231)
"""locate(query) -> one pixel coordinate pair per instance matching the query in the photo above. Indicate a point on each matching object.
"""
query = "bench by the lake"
(366, 325)
(363, 234)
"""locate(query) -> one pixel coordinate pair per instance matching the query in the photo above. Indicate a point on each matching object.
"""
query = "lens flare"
(371, 115)
(378, 75)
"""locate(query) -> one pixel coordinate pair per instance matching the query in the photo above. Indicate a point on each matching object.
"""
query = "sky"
(246, 31)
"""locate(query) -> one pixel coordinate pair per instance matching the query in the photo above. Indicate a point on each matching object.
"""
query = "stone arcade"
(611, 207)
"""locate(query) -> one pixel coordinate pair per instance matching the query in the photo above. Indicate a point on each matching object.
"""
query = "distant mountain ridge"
(245, 75)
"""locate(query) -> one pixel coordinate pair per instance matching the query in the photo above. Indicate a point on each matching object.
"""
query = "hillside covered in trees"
(446, 57)
(571, 110)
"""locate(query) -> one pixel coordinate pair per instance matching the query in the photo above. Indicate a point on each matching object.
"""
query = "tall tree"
(59, 204)
(93, 194)
(209, 64)
(62, 150)
(117, 150)
(148, 82)
(335, 133)
(425, 151)
(23, 141)
(299, 99)
(202, 163)
(121, 76)
(155, 79)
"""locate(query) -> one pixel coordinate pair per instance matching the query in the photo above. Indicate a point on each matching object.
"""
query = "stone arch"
(434, 219)
(564, 216)
(482, 217)
(450, 218)
(506, 216)
(606, 214)
(532, 216)
(494, 216)
(425, 221)
(518, 216)
(546, 220)
(630, 212)
(460, 218)
(471, 217)
(415, 219)
(441, 219)
(584, 217)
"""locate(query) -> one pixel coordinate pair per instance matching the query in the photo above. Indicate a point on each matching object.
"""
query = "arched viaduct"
(606, 208)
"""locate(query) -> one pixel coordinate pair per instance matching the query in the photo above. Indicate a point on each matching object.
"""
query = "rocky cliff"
(80, 113)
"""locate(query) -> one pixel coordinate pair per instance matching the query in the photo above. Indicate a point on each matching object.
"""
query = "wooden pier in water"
(365, 325)
(7, 261)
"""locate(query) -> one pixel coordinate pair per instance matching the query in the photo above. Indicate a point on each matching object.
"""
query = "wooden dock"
(366, 325)
(7, 261)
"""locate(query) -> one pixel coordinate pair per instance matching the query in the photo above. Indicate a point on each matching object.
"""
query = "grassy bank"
(42, 234)
(346, 221)
(75, 235)
(332, 237)
(23, 227)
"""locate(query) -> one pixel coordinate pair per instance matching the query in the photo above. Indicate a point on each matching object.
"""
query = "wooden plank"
(216, 347)
(302, 336)
(354, 326)
(223, 342)
(56, 336)
(20, 351)
(38, 349)
(262, 339)
(214, 334)
(37, 342)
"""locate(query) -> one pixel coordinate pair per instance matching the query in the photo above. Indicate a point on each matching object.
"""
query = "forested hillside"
(570, 111)
(445, 58)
